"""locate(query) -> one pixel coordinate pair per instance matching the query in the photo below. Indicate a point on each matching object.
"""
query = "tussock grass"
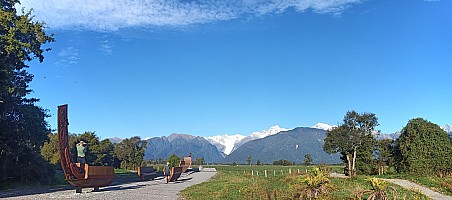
(231, 183)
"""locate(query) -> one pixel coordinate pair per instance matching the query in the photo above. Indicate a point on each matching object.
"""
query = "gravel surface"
(415, 187)
(154, 189)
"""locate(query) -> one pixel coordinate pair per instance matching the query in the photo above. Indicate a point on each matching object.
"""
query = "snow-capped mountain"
(228, 143)
(447, 128)
(264, 133)
(225, 143)
(323, 126)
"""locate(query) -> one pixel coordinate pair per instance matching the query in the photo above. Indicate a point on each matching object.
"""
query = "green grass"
(236, 182)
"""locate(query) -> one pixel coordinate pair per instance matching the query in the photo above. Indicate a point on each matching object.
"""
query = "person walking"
(167, 172)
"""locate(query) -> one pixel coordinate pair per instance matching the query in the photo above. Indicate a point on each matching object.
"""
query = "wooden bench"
(146, 171)
(95, 177)
(175, 173)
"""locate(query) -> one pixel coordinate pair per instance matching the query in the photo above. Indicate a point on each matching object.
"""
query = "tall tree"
(307, 159)
(352, 137)
(130, 152)
(423, 148)
(248, 160)
(384, 154)
(174, 160)
(23, 128)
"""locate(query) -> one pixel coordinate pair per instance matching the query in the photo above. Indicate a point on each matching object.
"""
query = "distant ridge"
(182, 145)
(290, 145)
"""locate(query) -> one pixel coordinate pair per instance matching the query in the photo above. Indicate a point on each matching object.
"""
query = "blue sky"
(152, 68)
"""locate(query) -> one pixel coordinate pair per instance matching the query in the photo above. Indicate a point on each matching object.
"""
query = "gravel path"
(424, 190)
(155, 189)
(410, 186)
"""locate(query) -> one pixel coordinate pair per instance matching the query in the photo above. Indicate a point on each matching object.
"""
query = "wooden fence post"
(265, 173)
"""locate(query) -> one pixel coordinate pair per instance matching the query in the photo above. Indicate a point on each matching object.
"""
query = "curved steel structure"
(90, 176)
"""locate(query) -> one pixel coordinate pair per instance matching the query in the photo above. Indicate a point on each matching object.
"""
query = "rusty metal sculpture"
(90, 176)
(185, 164)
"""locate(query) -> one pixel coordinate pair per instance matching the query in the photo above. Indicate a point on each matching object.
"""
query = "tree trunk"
(354, 160)
(349, 166)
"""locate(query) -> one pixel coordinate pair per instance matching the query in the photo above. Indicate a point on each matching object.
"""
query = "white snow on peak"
(228, 143)
(264, 133)
(147, 138)
(323, 126)
(447, 128)
(225, 143)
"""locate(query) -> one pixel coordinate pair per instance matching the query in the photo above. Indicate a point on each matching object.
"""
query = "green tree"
(50, 150)
(100, 153)
(23, 128)
(384, 154)
(283, 162)
(174, 160)
(423, 148)
(307, 159)
(354, 140)
(199, 161)
(258, 162)
(248, 160)
(130, 152)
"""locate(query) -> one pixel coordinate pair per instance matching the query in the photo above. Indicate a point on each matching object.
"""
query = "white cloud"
(114, 14)
(106, 48)
(68, 55)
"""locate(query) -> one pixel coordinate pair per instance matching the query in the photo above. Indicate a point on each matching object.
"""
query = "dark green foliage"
(98, 153)
(198, 161)
(307, 159)
(365, 161)
(130, 152)
(384, 154)
(283, 162)
(23, 128)
(354, 140)
(174, 160)
(258, 162)
(423, 148)
(248, 160)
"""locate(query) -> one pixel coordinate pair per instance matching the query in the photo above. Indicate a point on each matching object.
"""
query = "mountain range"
(267, 145)
(182, 145)
(290, 145)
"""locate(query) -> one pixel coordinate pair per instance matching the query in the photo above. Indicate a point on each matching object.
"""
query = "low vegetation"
(237, 182)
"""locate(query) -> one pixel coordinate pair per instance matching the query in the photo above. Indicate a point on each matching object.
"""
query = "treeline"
(422, 148)
(23, 128)
(127, 154)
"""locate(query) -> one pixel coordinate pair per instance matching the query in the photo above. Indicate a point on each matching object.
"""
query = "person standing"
(167, 172)
(81, 153)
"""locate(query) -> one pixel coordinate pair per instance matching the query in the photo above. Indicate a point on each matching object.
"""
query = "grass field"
(236, 182)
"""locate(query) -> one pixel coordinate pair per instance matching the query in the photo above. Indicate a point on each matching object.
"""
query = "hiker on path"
(167, 172)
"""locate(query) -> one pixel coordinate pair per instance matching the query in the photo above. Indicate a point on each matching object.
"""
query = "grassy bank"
(236, 182)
